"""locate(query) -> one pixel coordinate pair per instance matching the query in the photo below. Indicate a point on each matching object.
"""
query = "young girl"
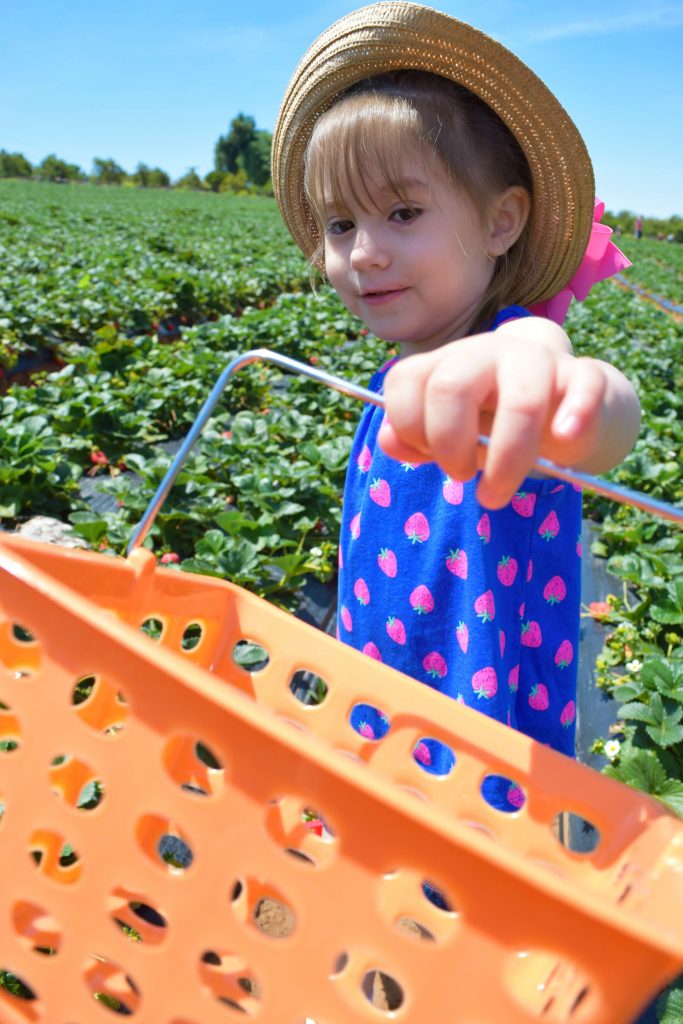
(449, 201)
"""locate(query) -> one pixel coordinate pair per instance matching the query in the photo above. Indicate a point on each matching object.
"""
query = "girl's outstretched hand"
(520, 385)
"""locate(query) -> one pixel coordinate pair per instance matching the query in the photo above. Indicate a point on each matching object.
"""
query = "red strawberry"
(170, 558)
(485, 682)
(555, 590)
(360, 589)
(538, 698)
(387, 562)
(452, 491)
(564, 654)
(507, 570)
(435, 665)
(99, 458)
(485, 607)
(380, 492)
(531, 634)
(523, 504)
(421, 753)
(457, 563)
(513, 678)
(396, 630)
(365, 459)
(416, 528)
(463, 635)
(372, 651)
(421, 600)
(355, 527)
(484, 528)
(550, 527)
(568, 714)
(345, 615)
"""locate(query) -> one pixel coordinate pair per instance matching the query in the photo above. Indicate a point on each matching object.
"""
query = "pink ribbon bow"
(601, 260)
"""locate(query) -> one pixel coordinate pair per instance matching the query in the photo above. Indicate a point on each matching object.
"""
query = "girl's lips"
(379, 298)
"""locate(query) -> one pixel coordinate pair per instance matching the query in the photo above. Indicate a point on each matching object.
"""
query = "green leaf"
(671, 794)
(640, 769)
(670, 610)
(670, 1004)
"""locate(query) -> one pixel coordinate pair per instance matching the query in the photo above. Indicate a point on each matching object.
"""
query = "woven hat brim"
(390, 36)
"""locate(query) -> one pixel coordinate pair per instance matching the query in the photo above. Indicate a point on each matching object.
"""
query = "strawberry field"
(118, 310)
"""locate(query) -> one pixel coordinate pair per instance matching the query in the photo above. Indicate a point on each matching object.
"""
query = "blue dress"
(481, 605)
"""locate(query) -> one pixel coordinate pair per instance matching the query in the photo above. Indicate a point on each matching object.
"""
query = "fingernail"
(568, 425)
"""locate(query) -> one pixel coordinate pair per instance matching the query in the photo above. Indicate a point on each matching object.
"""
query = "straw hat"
(393, 35)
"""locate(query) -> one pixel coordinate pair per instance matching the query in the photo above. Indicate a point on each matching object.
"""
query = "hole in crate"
(308, 688)
(502, 793)
(433, 756)
(545, 986)
(19, 652)
(36, 927)
(250, 655)
(339, 964)
(112, 987)
(576, 833)
(75, 782)
(10, 730)
(55, 857)
(263, 906)
(192, 636)
(17, 996)
(99, 705)
(369, 721)
(413, 929)
(164, 843)
(193, 765)
(22, 635)
(136, 916)
(437, 898)
(382, 990)
(300, 831)
(152, 627)
(231, 981)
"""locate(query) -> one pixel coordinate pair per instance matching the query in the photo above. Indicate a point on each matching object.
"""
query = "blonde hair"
(370, 125)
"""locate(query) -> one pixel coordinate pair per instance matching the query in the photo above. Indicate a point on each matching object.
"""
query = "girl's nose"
(368, 251)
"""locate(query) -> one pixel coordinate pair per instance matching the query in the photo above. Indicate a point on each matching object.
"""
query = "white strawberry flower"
(634, 666)
(612, 748)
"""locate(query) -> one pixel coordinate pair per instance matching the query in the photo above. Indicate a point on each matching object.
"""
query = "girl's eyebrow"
(388, 189)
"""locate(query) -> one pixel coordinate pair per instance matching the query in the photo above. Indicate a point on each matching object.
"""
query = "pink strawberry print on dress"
(507, 570)
(550, 527)
(485, 607)
(457, 563)
(364, 460)
(485, 682)
(538, 698)
(524, 504)
(435, 665)
(380, 492)
(355, 527)
(555, 590)
(416, 528)
(360, 589)
(564, 655)
(421, 600)
(346, 619)
(484, 528)
(452, 491)
(387, 562)
(396, 630)
(463, 634)
(372, 651)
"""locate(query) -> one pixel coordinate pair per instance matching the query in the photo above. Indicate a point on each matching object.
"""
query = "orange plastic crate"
(184, 751)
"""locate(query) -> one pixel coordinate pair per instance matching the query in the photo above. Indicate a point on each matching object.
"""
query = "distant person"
(638, 230)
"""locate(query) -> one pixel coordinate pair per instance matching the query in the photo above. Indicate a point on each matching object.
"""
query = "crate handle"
(608, 490)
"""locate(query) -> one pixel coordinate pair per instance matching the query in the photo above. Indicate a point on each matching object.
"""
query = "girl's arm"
(523, 387)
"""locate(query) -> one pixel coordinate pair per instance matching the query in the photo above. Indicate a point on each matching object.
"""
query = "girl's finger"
(456, 391)
(526, 389)
(579, 411)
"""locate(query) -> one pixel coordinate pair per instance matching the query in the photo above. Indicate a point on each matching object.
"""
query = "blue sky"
(153, 81)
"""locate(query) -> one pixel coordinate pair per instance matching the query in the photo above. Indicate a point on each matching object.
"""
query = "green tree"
(14, 165)
(107, 172)
(150, 177)
(190, 180)
(53, 168)
(244, 148)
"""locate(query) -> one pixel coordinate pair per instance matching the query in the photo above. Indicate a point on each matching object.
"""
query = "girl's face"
(413, 269)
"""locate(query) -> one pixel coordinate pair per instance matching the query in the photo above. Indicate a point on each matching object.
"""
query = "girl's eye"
(339, 227)
(404, 214)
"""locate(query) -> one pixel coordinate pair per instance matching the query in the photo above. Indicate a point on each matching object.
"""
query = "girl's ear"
(507, 218)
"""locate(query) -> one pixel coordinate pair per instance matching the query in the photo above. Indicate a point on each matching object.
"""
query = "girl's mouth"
(378, 298)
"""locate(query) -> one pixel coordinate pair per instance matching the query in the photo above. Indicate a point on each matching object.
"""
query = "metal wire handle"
(609, 490)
